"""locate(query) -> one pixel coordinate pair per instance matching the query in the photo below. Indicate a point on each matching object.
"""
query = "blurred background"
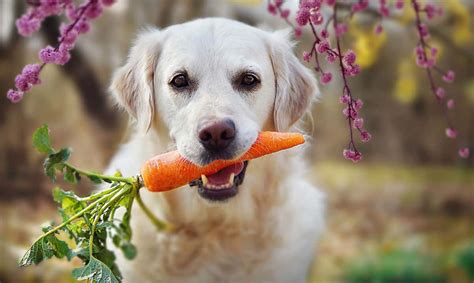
(404, 214)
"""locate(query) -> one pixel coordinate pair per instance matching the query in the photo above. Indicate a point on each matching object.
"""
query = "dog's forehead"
(217, 41)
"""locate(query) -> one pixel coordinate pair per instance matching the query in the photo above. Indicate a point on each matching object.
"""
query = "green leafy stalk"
(88, 221)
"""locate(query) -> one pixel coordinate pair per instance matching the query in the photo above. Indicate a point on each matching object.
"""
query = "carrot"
(170, 170)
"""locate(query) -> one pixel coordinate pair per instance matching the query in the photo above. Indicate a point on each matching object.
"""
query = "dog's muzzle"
(223, 184)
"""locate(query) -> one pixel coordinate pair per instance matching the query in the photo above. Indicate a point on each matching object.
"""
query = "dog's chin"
(222, 185)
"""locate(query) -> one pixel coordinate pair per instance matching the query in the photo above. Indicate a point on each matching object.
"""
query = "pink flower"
(31, 73)
(302, 16)
(344, 99)
(449, 76)
(111, 2)
(341, 28)
(350, 57)
(358, 104)
(21, 83)
(278, 3)
(326, 78)
(306, 56)
(355, 156)
(358, 123)
(322, 46)
(316, 18)
(440, 93)
(272, 9)
(451, 133)
(285, 13)
(423, 30)
(450, 104)
(399, 4)
(352, 114)
(298, 32)
(378, 29)
(365, 136)
(82, 26)
(48, 55)
(464, 152)
(324, 33)
(27, 24)
(14, 95)
(331, 57)
(434, 51)
(93, 11)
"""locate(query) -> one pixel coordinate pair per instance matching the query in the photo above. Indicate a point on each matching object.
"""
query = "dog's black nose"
(216, 134)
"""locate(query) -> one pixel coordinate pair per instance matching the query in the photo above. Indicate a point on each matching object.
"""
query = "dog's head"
(214, 84)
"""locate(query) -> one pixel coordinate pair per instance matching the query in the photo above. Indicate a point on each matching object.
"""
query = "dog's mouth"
(223, 184)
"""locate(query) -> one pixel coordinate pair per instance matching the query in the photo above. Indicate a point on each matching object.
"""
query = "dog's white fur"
(267, 232)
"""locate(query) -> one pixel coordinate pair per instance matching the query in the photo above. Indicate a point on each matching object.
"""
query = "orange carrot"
(170, 170)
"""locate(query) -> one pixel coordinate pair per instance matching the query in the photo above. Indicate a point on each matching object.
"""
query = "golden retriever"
(207, 87)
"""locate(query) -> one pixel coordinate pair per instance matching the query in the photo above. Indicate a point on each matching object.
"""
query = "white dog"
(207, 87)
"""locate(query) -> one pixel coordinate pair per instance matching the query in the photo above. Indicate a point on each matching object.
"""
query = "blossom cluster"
(310, 13)
(426, 58)
(78, 22)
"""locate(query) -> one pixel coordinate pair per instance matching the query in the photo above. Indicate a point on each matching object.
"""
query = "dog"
(206, 88)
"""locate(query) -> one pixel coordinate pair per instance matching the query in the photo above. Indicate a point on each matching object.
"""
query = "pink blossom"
(51, 7)
(82, 26)
(378, 29)
(285, 13)
(464, 152)
(352, 114)
(344, 99)
(21, 83)
(298, 32)
(450, 104)
(93, 11)
(350, 57)
(27, 24)
(365, 136)
(399, 4)
(355, 156)
(31, 73)
(358, 123)
(272, 9)
(440, 93)
(434, 51)
(14, 95)
(341, 28)
(423, 30)
(326, 78)
(316, 18)
(451, 133)
(449, 76)
(306, 56)
(331, 57)
(322, 46)
(358, 104)
(324, 33)
(48, 55)
(302, 16)
(278, 3)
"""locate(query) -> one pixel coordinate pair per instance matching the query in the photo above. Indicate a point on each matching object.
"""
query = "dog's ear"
(132, 84)
(295, 85)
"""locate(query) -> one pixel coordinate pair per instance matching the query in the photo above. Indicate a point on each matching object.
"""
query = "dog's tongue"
(222, 177)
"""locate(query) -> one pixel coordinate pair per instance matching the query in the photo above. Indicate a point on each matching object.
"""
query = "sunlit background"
(404, 214)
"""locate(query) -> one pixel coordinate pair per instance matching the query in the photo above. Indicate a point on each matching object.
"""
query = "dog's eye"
(249, 80)
(180, 81)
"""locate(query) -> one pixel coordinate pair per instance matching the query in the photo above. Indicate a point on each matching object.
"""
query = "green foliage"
(87, 221)
(396, 266)
(96, 271)
(465, 260)
(41, 140)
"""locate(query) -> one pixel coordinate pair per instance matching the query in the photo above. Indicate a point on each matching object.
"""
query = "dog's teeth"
(231, 178)
(204, 179)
